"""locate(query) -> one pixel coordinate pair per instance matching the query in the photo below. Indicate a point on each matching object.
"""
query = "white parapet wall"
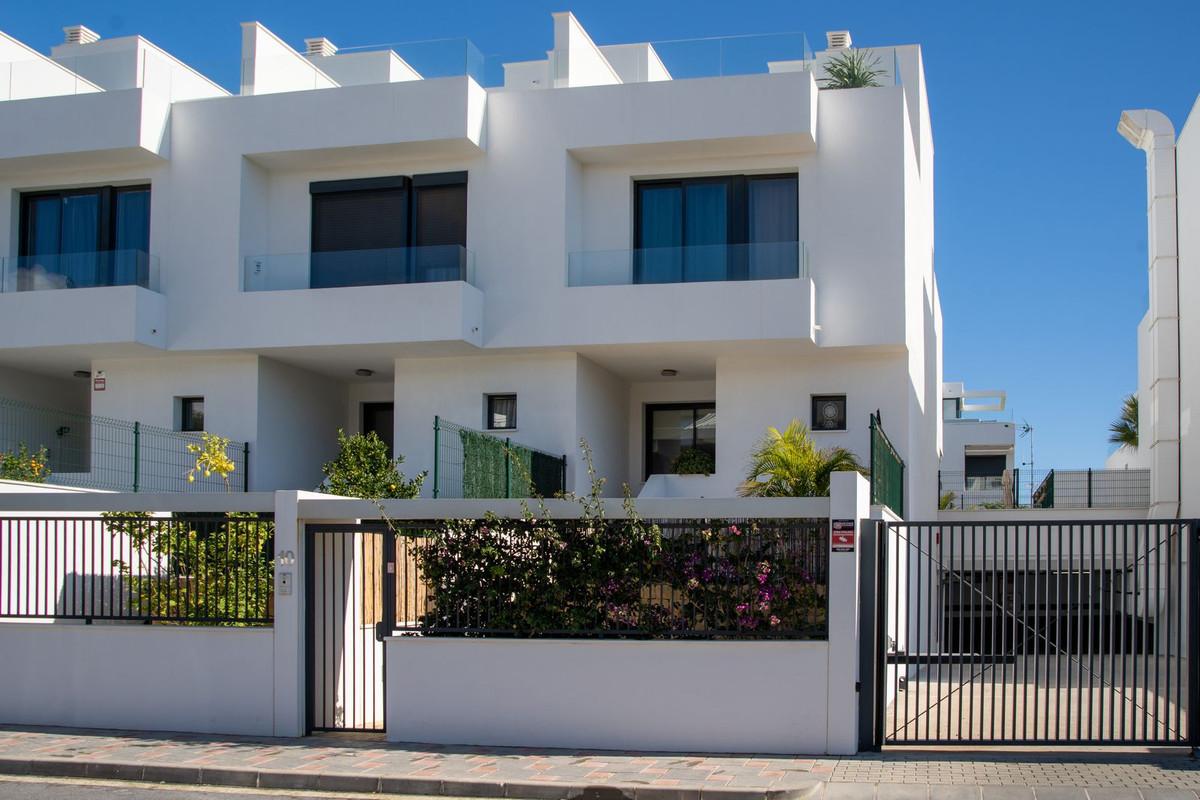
(733, 696)
(138, 677)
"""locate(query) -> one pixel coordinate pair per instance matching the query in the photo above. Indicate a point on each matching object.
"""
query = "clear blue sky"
(1041, 228)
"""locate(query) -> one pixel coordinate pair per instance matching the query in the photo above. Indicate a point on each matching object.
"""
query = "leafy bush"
(21, 465)
(364, 469)
(788, 463)
(211, 456)
(693, 461)
(209, 572)
(946, 500)
(536, 576)
(851, 70)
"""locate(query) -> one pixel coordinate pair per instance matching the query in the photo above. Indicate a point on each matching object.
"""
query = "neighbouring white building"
(1169, 335)
(977, 463)
(614, 243)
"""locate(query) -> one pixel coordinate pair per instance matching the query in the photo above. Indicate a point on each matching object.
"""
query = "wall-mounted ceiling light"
(364, 373)
(669, 373)
(81, 373)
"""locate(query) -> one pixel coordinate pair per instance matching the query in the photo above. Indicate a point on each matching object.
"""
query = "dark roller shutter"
(358, 236)
(440, 231)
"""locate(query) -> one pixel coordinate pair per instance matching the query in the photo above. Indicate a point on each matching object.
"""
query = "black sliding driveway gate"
(1031, 632)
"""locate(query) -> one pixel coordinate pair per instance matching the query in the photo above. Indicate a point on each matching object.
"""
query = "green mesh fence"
(102, 453)
(887, 470)
(475, 464)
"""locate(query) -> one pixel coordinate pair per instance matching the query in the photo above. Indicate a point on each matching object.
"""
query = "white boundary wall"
(139, 677)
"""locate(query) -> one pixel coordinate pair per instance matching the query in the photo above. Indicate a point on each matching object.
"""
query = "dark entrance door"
(380, 418)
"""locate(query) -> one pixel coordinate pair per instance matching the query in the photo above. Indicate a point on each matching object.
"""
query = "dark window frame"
(106, 217)
(489, 417)
(737, 213)
(648, 428)
(185, 415)
(822, 398)
(409, 187)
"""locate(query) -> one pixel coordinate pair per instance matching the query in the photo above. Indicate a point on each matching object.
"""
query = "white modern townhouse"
(977, 464)
(656, 248)
(1168, 386)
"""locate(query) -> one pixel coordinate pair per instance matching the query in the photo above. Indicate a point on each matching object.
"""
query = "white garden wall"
(760, 697)
(138, 677)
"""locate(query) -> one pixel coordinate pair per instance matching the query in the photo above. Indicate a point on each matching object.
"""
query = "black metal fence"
(1052, 632)
(198, 569)
(471, 463)
(117, 455)
(1055, 488)
(686, 579)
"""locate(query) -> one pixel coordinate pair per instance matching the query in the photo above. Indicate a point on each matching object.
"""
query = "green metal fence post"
(507, 467)
(562, 486)
(137, 441)
(436, 453)
(245, 466)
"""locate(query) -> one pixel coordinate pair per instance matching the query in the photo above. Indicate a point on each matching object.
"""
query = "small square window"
(501, 412)
(191, 414)
(829, 412)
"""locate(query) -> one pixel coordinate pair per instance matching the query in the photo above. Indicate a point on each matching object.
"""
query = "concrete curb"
(369, 784)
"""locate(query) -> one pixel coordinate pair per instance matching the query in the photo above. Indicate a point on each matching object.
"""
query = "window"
(829, 412)
(191, 414)
(397, 229)
(380, 419)
(85, 237)
(985, 466)
(501, 412)
(734, 227)
(673, 427)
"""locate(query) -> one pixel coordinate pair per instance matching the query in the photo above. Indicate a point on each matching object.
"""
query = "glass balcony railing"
(760, 261)
(79, 271)
(382, 267)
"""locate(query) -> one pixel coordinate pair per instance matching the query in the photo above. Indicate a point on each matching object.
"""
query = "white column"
(289, 617)
(849, 499)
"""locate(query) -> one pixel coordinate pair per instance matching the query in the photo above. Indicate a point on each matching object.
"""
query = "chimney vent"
(838, 40)
(320, 46)
(80, 34)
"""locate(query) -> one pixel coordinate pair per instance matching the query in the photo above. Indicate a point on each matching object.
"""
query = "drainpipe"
(1152, 132)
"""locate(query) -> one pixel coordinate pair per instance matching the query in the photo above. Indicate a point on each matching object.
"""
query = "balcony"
(710, 293)
(106, 298)
(382, 267)
(85, 130)
(691, 264)
(394, 296)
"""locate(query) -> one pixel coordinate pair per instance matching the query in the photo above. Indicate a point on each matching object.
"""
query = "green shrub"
(364, 469)
(21, 465)
(693, 461)
(851, 70)
(788, 463)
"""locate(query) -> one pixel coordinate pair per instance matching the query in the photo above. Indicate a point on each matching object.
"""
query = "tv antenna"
(1027, 430)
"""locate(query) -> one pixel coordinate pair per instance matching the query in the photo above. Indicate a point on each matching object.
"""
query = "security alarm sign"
(99, 383)
(843, 536)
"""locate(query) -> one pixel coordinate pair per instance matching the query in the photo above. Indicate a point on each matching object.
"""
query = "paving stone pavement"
(367, 764)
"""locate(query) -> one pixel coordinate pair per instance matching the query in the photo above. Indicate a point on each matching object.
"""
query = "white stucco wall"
(740, 697)
(137, 677)
(1187, 163)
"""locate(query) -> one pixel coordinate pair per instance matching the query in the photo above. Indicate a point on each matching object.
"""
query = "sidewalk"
(369, 765)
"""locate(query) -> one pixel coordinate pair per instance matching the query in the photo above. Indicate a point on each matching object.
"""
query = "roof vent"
(80, 34)
(320, 46)
(838, 40)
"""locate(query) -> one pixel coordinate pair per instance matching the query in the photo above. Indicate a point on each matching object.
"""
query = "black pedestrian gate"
(344, 610)
(1031, 632)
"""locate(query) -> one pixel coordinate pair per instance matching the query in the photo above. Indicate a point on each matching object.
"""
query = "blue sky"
(1041, 228)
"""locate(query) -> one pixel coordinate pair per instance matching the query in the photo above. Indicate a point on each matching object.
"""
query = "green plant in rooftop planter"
(851, 70)
(693, 461)
(21, 465)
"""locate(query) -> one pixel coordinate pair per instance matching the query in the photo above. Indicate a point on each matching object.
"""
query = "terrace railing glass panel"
(688, 264)
(79, 270)
(379, 267)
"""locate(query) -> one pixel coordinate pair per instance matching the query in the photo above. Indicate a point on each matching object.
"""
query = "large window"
(733, 227)
(674, 427)
(98, 236)
(397, 229)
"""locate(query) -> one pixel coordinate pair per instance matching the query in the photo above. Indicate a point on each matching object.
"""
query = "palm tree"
(788, 463)
(1124, 429)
